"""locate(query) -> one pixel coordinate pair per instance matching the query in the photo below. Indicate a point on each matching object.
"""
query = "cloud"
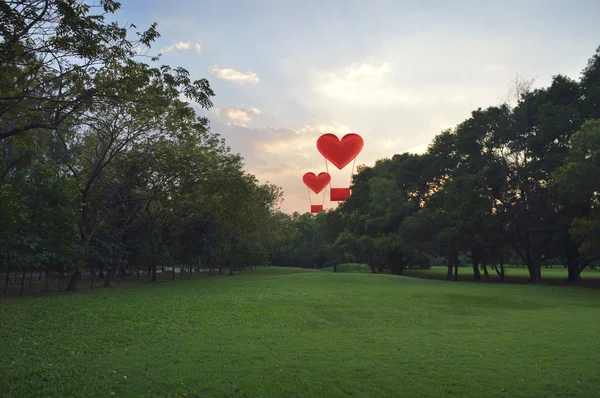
(238, 116)
(419, 149)
(234, 76)
(301, 139)
(398, 145)
(184, 46)
(373, 86)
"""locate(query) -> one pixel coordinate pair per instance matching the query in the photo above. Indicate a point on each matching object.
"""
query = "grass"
(284, 332)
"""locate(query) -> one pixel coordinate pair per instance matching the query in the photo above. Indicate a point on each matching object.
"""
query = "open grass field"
(285, 332)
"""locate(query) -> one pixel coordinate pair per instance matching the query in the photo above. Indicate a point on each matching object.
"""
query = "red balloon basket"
(316, 208)
(338, 194)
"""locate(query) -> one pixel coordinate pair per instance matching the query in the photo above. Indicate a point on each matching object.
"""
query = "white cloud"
(389, 143)
(398, 145)
(183, 46)
(233, 75)
(419, 149)
(301, 139)
(238, 116)
(373, 86)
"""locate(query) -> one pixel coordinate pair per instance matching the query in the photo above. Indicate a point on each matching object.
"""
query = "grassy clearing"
(291, 333)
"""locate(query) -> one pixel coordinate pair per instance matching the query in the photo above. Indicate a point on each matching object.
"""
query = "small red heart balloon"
(340, 152)
(316, 183)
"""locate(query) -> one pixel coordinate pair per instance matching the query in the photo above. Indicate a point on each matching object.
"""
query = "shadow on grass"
(513, 275)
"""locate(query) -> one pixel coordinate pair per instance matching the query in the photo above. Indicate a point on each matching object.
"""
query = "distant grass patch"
(285, 332)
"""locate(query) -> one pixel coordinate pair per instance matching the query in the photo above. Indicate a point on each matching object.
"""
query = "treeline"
(511, 183)
(105, 164)
(107, 168)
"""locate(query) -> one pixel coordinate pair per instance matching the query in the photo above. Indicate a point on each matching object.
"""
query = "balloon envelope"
(316, 183)
(340, 152)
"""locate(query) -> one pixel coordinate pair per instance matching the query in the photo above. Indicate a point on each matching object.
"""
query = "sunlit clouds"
(238, 116)
(234, 76)
(182, 46)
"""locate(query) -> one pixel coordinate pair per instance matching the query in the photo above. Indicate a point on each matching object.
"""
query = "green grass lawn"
(276, 332)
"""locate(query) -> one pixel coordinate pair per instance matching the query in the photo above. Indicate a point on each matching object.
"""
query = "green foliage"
(103, 164)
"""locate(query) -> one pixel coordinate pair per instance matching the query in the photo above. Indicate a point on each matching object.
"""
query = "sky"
(396, 72)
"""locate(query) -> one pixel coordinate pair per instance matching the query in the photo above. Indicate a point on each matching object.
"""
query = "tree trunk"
(7, 278)
(154, 252)
(400, 266)
(230, 267)
(485, 270)
(46, 279)
(30, 277)
(475, 264)
(107, 278)
(455, 261)
(72, 286)
(450, 265)
(572, 260)
(23, 282)
(153, 272)
(173, 273)
(500, 271)
(92, 276)
(535, 271)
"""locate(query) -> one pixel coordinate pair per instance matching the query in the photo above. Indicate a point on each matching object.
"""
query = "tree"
(577, 186)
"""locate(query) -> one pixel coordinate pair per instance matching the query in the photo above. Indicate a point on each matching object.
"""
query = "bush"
(421, 262)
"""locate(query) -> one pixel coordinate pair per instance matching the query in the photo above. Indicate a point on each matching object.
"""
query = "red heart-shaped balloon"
(316, 183)
(340, 152)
